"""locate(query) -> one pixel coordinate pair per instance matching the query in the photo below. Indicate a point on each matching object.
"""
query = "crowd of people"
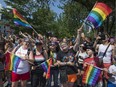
(70, 59)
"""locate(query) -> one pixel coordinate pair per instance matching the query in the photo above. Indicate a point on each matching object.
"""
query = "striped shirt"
(39, 59)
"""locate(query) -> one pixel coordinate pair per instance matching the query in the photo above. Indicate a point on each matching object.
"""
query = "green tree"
(71, 17)
(76, 10)
(109, 23)
(36, 12)
(39, 15)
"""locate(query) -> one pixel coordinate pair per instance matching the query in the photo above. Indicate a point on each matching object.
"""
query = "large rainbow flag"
(98, 14)
(46, 66)
(20, 20)
(91, 75)
(12, 62)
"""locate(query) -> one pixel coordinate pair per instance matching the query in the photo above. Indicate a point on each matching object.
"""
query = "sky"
(2, 3)
(53, 7)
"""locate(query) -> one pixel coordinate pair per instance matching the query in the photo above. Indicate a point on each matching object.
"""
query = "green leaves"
(40, 16)
(36, 12)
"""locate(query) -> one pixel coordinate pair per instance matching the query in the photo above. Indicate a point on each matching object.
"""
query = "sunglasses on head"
(52, 44)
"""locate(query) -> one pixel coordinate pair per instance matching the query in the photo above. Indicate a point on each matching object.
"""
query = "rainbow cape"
(46, 67)
(91, 75)
(98, 14)
(12, 62)
(20, 20)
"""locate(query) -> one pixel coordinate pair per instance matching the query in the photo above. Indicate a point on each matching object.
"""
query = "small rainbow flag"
(12, 62)
(53, 56)
(91, 75)
(20, 20)
(46, 66)
(98, 14)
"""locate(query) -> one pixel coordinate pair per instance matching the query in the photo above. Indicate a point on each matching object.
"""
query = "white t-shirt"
(23, 65)
(107, 57)
(112, 69)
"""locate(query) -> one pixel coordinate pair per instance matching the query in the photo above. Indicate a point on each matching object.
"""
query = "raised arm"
(77, 41)
(22, 34)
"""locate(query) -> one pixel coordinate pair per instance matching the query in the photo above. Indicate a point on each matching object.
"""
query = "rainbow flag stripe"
(46, 67)
(20, 20)
(16, 61)
(91, 75)
(12, 62)
(98, 14)
(48, 72)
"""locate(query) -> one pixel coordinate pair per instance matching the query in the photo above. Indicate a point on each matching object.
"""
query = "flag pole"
(34, 30)
(94, 66)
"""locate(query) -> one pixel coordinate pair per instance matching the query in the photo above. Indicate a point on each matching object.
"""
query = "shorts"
(106, 65)
(63, 76)
(17, 77)
(72, 78)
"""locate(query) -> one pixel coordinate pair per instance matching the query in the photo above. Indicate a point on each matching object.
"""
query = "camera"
(88, 45)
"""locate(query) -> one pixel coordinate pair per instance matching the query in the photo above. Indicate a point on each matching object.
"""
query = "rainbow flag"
(91, 75)
(46, 66)
(53, 56)
(48, 72)
(20, 20)
(98, 14)
(12, 62)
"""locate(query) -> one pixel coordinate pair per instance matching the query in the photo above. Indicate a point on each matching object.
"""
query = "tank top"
(38, 58)
(23, 65)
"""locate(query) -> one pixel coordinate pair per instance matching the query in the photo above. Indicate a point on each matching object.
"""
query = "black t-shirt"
(66, 57)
